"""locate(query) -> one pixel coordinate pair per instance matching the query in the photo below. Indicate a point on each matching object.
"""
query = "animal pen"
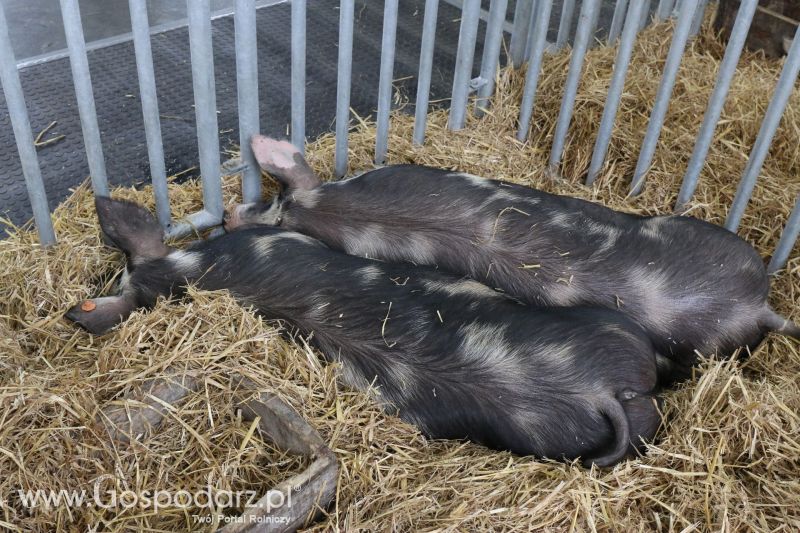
(653, 115)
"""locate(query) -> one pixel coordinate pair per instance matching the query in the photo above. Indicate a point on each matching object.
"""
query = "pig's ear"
(99, 315)
(131, 228)
(285, 163)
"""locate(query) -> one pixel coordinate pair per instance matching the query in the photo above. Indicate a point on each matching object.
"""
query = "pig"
(693, 286)
(445, 353)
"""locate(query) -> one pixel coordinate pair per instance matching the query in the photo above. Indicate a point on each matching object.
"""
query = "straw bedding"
(727, 457)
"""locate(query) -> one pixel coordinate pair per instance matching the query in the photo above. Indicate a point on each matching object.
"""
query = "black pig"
(692, 285)
(449, 355)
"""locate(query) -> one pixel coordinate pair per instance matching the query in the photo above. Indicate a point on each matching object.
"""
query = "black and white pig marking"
(447, 354)
(692, 285)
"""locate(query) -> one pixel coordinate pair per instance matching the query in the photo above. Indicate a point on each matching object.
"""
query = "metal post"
(645, 14)
(671, 66)
(582, 37)
(539, 39)
(788, 238)
(519, 36)
(699, 16)
(247, 92)
(18, 113)
(346, 12)
(205, 104)
(537, 4)
(83, 93)
(676, 9)
(772, 119)
(147, 92)
(616, 22)
(385, 84)
(727, 70)
(299, 75)
(565, 23)
(425, 66)
(664, 10)
(468, 34)
(611, 107)
(491, 53)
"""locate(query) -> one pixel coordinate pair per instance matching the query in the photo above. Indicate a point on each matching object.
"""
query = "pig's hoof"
(274, 155)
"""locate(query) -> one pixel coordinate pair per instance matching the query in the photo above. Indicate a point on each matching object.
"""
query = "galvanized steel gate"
(528, 44)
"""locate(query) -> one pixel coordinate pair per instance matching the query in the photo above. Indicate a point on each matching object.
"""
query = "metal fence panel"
(468, 34)
(582, 37)
(18, 113)
(247, 95)
(299, 75)
(726, 71)
(615, 91)
(346, 12)
(769, 126)
(79, 63)
(385, 84)
(425, 67)
(539, 38)
(149, 98)
(663, 96)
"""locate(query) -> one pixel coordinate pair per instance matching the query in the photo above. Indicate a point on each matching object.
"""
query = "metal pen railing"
(527, 43)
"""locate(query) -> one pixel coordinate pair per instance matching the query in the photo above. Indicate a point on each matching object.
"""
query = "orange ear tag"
(88, 305)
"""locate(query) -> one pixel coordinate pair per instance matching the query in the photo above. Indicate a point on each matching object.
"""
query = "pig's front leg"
(285, 163)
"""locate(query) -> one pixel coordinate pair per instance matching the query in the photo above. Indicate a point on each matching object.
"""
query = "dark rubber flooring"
(50, 94)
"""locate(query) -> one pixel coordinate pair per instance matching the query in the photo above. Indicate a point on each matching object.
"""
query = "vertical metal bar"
(611, 107)
(671, 66)
(539, 39)
(727, 70)
(468, 33)
(788, 238)
(491, 53)
(699, 16)
(247, 94)
(537, 4)
(616, 22)
(205, 104)
(385, 84)
(83, 93)
(299, 75)
(664, 10)
(519, 36)
(772, 119)
(425, 66)
(18, 113)
(346, 12)
(147, 92)
(565, 23)
(582, 37)
(677, 8)
(645, 14)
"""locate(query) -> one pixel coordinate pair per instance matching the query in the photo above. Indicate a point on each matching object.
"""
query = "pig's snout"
(233, 218)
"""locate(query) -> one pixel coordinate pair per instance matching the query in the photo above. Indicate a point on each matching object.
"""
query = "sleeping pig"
(692, 285)
(447, 354)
